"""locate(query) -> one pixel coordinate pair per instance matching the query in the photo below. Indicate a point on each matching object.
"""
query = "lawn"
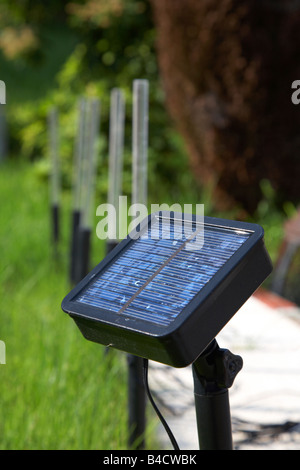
(58, 391)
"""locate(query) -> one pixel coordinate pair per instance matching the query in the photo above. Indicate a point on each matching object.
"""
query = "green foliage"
(104, 45)
(94, 47)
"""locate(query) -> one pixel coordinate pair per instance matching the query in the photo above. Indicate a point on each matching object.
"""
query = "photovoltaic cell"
(161, 271)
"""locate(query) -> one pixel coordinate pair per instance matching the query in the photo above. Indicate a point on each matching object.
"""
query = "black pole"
(136, 392)
(74, 252)
(110, 245)
(214, 372)
(83, 255)
(55, 225)
(136, 403)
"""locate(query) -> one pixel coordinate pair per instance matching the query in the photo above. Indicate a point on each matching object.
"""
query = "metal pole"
(136, 389)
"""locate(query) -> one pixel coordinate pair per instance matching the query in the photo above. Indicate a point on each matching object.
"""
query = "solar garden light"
(140, 118)
(166, 291)
(92, 129)
(140, 141)
(55, 173)
(116, 144)
(85, 170)
(77, 187)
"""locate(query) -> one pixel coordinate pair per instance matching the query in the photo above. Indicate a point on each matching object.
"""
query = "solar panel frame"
(184, 338)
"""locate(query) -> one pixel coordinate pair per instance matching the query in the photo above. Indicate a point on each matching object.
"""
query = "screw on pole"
(214, 372)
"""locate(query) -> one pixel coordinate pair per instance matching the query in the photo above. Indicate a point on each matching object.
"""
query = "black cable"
(164, 423)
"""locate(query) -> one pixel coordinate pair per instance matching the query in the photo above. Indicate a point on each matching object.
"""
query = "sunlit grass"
(58, 391)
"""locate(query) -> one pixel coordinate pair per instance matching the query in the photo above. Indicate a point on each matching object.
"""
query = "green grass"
(58, 391)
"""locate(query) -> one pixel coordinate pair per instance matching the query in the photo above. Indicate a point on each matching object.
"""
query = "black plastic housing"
(184, 339)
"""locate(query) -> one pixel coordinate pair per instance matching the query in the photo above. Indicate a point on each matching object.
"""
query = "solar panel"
(165, 291)
(157, 276)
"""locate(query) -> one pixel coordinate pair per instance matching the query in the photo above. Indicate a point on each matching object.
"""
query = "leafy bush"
(115, 44)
